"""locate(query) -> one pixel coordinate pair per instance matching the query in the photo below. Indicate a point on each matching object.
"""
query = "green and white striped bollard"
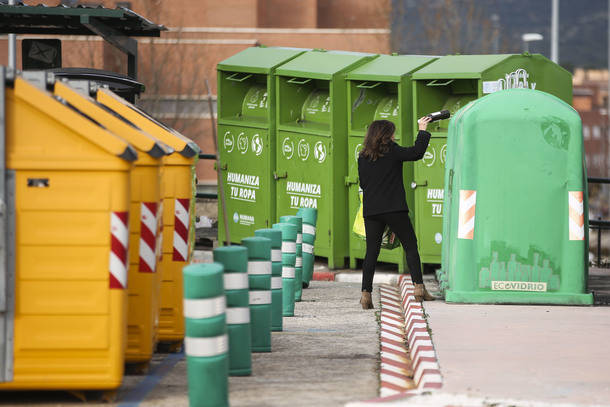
(310, 217)
(289, 256)
(259, 277)
(206, 342)
(298, 267)
(276, 275)
(235, 262)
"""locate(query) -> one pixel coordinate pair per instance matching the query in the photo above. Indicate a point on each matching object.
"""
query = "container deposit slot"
(306, 103)
(373, 101)
(439, 94)
(251, 90)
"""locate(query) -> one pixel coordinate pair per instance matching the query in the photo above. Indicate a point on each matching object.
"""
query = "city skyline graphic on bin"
(537, 268)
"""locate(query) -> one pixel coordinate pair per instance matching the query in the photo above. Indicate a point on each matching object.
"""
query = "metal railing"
(599, 224)
(208, 195)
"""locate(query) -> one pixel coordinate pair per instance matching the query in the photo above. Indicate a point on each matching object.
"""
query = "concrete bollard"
(276, 275)
(298, 267)
(206, 342)
(310, 217)
(259, 277)
(289, 237)
(235, 262)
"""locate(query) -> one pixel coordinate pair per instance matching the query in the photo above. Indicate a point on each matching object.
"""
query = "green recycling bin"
(516, 197)
(379, 90)
(312, 144)
(246, 138)
(450, 83)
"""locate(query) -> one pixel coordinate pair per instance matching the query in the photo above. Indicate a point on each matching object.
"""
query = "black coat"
(381, 180)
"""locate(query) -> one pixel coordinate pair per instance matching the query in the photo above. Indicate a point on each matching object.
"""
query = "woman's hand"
(423, 123)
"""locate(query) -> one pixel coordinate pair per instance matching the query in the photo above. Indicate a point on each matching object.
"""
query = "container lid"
(274, 234)
(203, 280)
(258, 247)
(183, 145)
(234, 258)
(460, 66)
(319, 64)
(71, 117)
(112, 121)
(389, 68)
(259, 59)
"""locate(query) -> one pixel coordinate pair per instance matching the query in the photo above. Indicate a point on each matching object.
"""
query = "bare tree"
(171, 67)
(442, 27)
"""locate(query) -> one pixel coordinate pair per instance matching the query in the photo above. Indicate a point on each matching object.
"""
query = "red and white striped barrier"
(181, 229)
(119, 240)
(468, 204)
(148, 237)
(395, 372)
(576, 215)
(426, 370)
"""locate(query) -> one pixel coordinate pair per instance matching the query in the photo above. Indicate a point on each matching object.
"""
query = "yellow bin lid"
(114, 122)
(181, 144)
(61, 110)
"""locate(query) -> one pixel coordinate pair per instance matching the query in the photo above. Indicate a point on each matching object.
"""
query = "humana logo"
(250, 180)
(313, 189)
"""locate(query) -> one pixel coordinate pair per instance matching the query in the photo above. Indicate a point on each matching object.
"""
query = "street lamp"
(528, 37)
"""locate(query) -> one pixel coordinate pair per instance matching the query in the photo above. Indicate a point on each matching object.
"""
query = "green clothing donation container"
(312, 144)
(379, 90)
(246, 138)
(450, 83)
(516, 202)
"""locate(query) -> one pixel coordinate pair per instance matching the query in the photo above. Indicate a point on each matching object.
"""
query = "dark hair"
(378, 139)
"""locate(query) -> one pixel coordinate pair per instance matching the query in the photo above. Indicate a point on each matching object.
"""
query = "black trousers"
(400, 224)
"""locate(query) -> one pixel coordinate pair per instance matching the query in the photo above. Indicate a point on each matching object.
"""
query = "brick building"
(201, 33)
(591, 102)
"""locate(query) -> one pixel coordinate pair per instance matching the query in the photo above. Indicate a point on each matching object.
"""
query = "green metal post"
(289, 256)
(276, 275)
(206, 342)
(298, 266)
(259, 276)
(310, 216)
(235, 262)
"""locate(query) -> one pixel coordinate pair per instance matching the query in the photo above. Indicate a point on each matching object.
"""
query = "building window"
(597, 133)
(586, 132)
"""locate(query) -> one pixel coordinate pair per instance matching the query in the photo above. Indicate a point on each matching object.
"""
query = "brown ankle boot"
(366, 301)
(421, 294)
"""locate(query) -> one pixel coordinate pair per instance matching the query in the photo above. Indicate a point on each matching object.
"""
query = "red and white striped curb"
(403, 324)
(148, 237)
(119, 240)
(426, 370)
(395, 371)
(181, 229)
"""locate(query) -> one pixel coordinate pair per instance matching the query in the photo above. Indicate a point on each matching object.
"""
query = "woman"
(380, 172)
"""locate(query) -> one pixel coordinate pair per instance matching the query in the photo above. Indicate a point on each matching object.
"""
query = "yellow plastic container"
(72, 199)
(144, 226)
(178, 207)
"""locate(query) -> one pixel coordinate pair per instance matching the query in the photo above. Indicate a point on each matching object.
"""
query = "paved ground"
(552, 354)
(327, 356)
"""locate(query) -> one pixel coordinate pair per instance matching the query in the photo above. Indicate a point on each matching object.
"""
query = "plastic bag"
(389, 239)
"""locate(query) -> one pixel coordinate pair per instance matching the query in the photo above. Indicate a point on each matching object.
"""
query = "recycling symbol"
(229, 142)
(357, 151)
(303, 150)
(319, 152)
(287, 148)
(242, 143)
(257, 144)
(429, 157)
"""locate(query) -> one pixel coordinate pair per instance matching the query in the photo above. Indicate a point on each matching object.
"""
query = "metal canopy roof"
(64, 20)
